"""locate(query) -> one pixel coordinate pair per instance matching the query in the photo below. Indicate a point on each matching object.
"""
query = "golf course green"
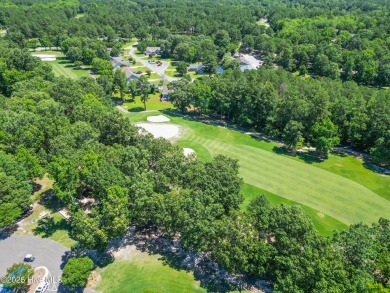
(341, 187)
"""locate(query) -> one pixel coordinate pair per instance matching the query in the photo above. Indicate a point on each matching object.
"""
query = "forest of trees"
(346, 40)
(69, 129)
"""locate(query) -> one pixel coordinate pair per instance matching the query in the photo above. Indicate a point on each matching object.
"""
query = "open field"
(153, 103)
(341, 187)
(146, 272)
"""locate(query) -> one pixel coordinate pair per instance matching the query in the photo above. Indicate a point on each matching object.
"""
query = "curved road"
(160, 70)
(47, 253)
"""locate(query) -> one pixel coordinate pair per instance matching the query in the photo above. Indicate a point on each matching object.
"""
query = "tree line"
(335, 39)
(322, 112)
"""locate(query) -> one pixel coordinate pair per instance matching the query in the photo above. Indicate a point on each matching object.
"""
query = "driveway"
(47, 253)
(160, 70)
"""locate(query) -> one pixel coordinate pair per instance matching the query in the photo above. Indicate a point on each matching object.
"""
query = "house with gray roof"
(152, 51)
(119, 62)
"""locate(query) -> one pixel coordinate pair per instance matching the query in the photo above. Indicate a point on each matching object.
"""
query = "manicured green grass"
(143, 272)
(146, 272)
(130, 43)
(172, 73)
(194, 75)
(65, 68)
(340, 188)
(154, 76)
(324, 224)
(136, 65)
(62, 66)
(153, 103)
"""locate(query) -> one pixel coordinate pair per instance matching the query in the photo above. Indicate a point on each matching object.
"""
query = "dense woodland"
(69, 129)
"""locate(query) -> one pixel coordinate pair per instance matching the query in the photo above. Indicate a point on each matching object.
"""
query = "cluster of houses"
(119, 64)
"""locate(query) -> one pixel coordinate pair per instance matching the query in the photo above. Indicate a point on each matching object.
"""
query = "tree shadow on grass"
(48, 226)
(307, 157)
(211, 276)
(50, 201)
(136, 109)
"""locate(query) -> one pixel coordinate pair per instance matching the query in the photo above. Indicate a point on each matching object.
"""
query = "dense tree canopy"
(69, 129)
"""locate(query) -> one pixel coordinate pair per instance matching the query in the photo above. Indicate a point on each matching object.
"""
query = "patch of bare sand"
(127, 252)
(159, 130)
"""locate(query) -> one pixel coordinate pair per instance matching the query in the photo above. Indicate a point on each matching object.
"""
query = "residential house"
(130, 74)
(119, 62)
(199, 68)
(152, 51)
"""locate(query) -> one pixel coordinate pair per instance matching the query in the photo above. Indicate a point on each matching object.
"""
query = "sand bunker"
(45, 57)
(159, 118)
(188, 151)
(160, 130)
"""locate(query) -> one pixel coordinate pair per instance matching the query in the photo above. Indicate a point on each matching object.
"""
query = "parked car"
(42, 287)
(29, 258)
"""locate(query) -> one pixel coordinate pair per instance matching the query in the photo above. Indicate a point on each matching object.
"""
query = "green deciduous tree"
(76, 272)
(325, 136)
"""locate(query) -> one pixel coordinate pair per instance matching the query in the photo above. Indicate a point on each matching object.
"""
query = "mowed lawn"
(62, 66)
(153, 103)
(146, 272)
(341, 187)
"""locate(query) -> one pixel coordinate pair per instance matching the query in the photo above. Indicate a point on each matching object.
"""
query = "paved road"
(47, 253)
(160, 70)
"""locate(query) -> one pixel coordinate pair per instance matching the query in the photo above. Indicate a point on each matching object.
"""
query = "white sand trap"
(45, 57)
(159, 118)
(160, 130)
(188, 151)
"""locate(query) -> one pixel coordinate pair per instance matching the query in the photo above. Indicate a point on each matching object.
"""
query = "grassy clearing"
(263, 21)
(79, 15)
(54, 225)
(63, 67)
(136, 65)
(337, 188)
(154, 76)
(153, 103)
(172, 73)
(146, 272)
(130, 43)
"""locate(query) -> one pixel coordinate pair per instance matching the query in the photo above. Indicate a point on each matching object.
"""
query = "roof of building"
(242, 60)
(128, 71)
(153, 49)
(246, 67)
(195, 66)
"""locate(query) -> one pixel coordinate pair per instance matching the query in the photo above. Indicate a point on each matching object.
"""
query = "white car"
(42, 287)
